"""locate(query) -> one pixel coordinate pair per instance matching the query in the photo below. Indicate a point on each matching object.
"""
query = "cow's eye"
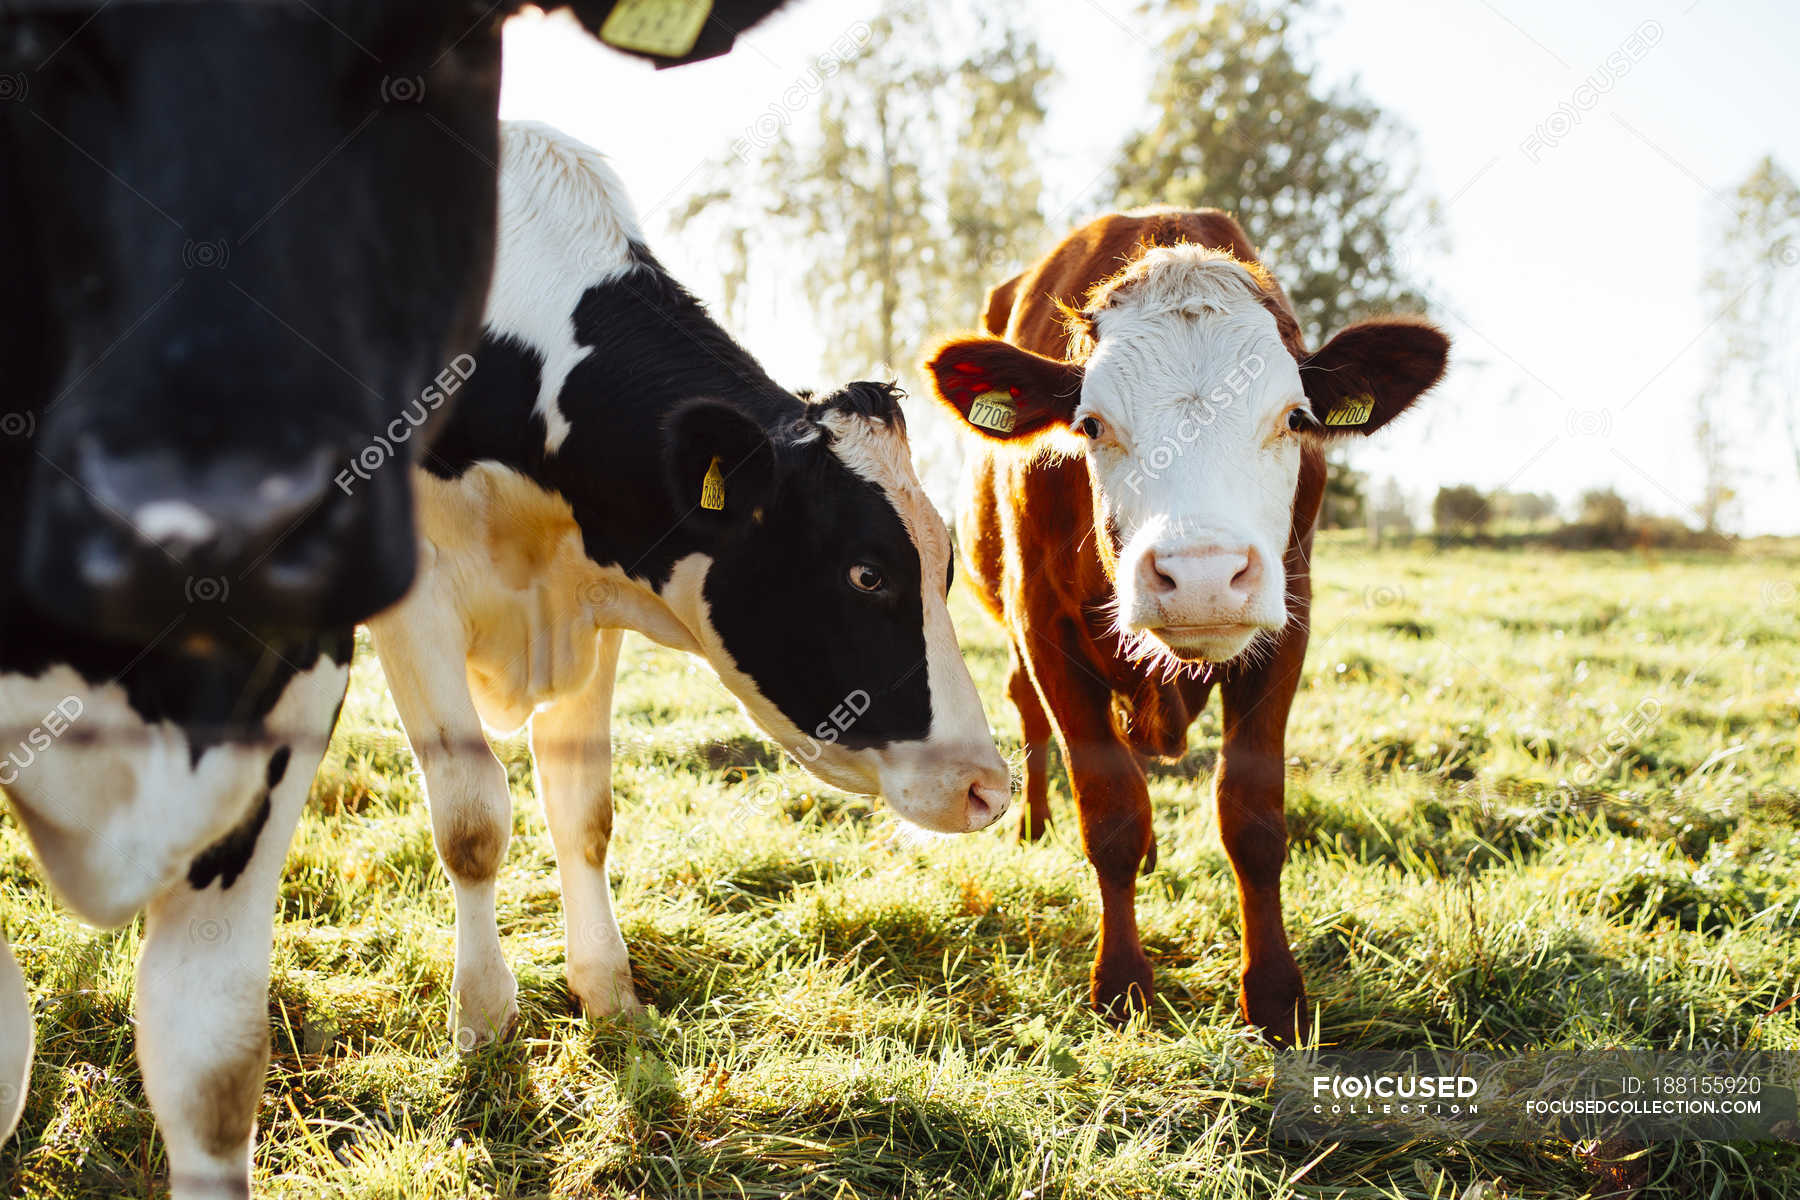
(865, 578)
(1300, 419)
(1090, 428)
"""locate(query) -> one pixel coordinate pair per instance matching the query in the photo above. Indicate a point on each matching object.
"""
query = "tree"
(994, 195)
(1604, 509)
(1345, 500)
(1389, 513)
(1754, 283)
(1527, 507)
(1322, 181)
(1458, 509)
(910, 192)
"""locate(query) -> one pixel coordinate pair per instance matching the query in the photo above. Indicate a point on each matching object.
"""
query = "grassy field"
(848, 1010)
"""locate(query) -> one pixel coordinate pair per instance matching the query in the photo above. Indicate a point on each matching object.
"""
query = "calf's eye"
(1300, 420)
(865, 578)
(1090, 428)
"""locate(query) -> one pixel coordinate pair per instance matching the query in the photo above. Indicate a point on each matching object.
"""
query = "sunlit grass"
(845, 1010)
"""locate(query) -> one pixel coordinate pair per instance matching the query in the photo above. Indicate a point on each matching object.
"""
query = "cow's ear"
(1001, 391)
(1371, 372)
(721, 466)
(668, 32)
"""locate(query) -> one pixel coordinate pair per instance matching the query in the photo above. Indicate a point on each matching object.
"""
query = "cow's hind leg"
(423, 653)
(15, 1040)
(1034, 723)
(203, 988)
(572, 741)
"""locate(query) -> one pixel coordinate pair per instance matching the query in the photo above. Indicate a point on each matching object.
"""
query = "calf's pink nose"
(1198, 585)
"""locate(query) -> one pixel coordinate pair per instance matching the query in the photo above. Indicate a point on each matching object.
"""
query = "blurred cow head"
(245, 243)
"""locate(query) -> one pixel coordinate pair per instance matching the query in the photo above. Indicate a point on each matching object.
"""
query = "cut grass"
(845, 1009)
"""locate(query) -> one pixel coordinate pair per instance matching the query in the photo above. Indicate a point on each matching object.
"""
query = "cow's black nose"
(219, 518)
(126, 542)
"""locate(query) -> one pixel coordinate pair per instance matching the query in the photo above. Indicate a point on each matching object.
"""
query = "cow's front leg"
(15, 1040)
(424, 654)
(1250, 791)
(1113, 801)
(203, 988)
(572, 741)
(1034, 726)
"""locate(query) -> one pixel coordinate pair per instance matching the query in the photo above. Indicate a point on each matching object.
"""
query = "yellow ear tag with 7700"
(1355, 410)
(668, 28)
(712, 488)
(995, 411)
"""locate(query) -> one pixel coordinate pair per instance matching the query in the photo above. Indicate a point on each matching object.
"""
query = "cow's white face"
(1190, 416)
(1194, 415)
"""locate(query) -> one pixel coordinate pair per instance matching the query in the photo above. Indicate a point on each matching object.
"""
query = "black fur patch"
(226, 858)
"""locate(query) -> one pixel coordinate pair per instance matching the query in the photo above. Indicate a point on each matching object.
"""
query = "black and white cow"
(240, 241)
(618, 462)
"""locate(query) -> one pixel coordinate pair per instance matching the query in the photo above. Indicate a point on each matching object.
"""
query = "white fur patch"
(566, 225)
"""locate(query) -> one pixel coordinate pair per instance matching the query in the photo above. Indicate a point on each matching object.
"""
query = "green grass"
(847, 1010)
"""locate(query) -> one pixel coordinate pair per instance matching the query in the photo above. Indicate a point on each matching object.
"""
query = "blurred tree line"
(1601, 519)
(913, 182)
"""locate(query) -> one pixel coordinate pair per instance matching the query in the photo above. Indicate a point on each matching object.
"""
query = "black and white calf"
(618, 462)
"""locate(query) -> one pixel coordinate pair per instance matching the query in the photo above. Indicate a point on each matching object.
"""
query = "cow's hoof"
(1032, 827)
(486, 1014)
(1122, 989)
(608, 995)
(471, 1035)
(1274, 1001)
(206, 1184)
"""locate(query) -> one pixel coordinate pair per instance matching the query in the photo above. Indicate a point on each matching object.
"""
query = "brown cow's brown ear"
(1001, 391)
(1371, 372)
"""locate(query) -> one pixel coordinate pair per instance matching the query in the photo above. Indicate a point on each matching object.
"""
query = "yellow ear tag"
(712, 488)
(1354, 411)
(995, 411)
(668, 28)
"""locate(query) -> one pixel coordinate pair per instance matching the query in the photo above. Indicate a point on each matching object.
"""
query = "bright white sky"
(1571, 283)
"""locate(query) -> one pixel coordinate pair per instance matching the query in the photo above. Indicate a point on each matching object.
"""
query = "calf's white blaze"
(1195, 467)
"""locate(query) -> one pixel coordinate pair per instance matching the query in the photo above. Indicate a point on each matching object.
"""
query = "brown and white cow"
(1140, 520)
